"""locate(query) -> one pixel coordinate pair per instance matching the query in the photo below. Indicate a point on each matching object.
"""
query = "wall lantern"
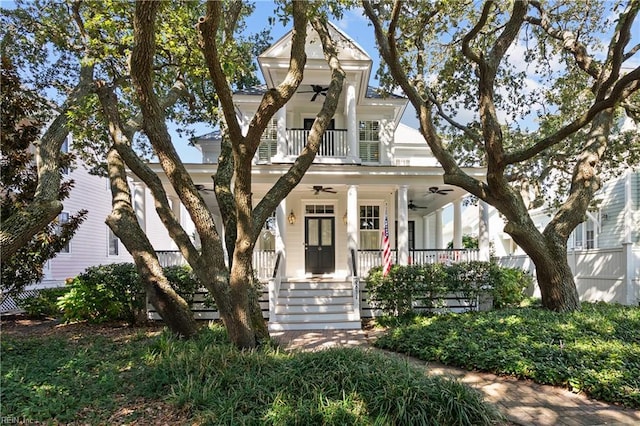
(291, 218)
(344, 218)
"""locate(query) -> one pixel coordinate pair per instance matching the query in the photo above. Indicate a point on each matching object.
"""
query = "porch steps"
(315, 305)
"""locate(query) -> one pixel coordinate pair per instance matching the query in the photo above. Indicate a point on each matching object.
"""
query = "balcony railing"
(334, 142)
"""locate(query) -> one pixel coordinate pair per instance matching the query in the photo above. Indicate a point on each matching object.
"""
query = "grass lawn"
(106, 375)
(595, 350)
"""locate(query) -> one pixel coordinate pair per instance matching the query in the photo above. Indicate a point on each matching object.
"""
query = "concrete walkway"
(522, 402)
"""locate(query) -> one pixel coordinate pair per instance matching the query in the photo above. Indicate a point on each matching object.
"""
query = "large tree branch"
(122, 144)
(625, 86)
(473, 55)
(295, 173)
(619, 41)
(19, 228)
(274, 99)
(124, 223)
(487, 70)
(156, 130)
(569, 41)
(208, 27)
(585, 181)
(386, 43)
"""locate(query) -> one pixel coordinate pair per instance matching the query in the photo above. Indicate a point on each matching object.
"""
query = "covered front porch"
(323, 239)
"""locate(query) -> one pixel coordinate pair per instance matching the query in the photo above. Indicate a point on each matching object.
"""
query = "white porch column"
(457, 224)
(352, 220)
(627, 246)
(483, 230)
(352, 125)
(403, 226)
(438, 229)
(281, 120)
(175, 208)
(281, 233)
(140, 204)
(425, 232)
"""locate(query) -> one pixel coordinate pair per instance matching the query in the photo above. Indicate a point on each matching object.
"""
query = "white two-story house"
(368, 168)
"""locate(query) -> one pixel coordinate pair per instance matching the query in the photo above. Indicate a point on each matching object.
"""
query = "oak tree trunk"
(549, 255)
(555, 279)
(173, 309)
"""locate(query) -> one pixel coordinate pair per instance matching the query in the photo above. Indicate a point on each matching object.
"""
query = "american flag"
(386, 246)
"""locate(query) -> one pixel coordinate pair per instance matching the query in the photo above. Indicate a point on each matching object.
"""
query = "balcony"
(334, 142)
(333, 146)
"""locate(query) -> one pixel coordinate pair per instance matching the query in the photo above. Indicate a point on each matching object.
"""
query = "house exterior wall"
(89, 246)
(612, 213)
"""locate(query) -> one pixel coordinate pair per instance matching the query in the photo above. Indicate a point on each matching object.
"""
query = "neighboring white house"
(94, 243)
(604, 250)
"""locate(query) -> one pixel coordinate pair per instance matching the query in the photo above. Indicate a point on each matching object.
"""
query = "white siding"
(612, 225)
(89, 246)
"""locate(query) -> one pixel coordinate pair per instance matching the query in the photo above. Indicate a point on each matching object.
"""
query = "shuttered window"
(63, 218)
(268, 142)
(369, 141)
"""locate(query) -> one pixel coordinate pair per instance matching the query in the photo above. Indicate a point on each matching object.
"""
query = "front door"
(319, 245)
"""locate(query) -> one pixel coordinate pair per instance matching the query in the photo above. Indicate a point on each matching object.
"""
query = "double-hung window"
(370, 227)
(63, 218)
(113, 242)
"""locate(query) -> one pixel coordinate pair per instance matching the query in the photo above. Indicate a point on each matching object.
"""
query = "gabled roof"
(348, 49)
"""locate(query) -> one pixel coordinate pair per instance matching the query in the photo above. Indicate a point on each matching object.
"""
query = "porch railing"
(334, 142)
(263, 261)
(368, 259)
(170, 258)
(274, 286)
(355, 280)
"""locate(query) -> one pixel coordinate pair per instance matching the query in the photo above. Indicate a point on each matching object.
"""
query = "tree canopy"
(530, 90)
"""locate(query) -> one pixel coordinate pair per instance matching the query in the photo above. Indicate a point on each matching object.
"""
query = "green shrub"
(44, 304)
(183, 281)
(508, 286)
(105, 293)
(397, 293)
(115, 293)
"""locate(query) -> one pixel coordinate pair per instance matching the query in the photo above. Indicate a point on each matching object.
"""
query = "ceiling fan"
(317, 90)
(320, 188)
(436, 190)
(203, 188)
(414, 207)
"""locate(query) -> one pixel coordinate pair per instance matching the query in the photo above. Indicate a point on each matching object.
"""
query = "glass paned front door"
(319, 245)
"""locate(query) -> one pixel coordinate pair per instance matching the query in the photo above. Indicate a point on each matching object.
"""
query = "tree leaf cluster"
(22, 113)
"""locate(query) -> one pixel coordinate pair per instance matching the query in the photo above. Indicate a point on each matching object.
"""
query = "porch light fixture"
(291, 218)
(344, 218)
